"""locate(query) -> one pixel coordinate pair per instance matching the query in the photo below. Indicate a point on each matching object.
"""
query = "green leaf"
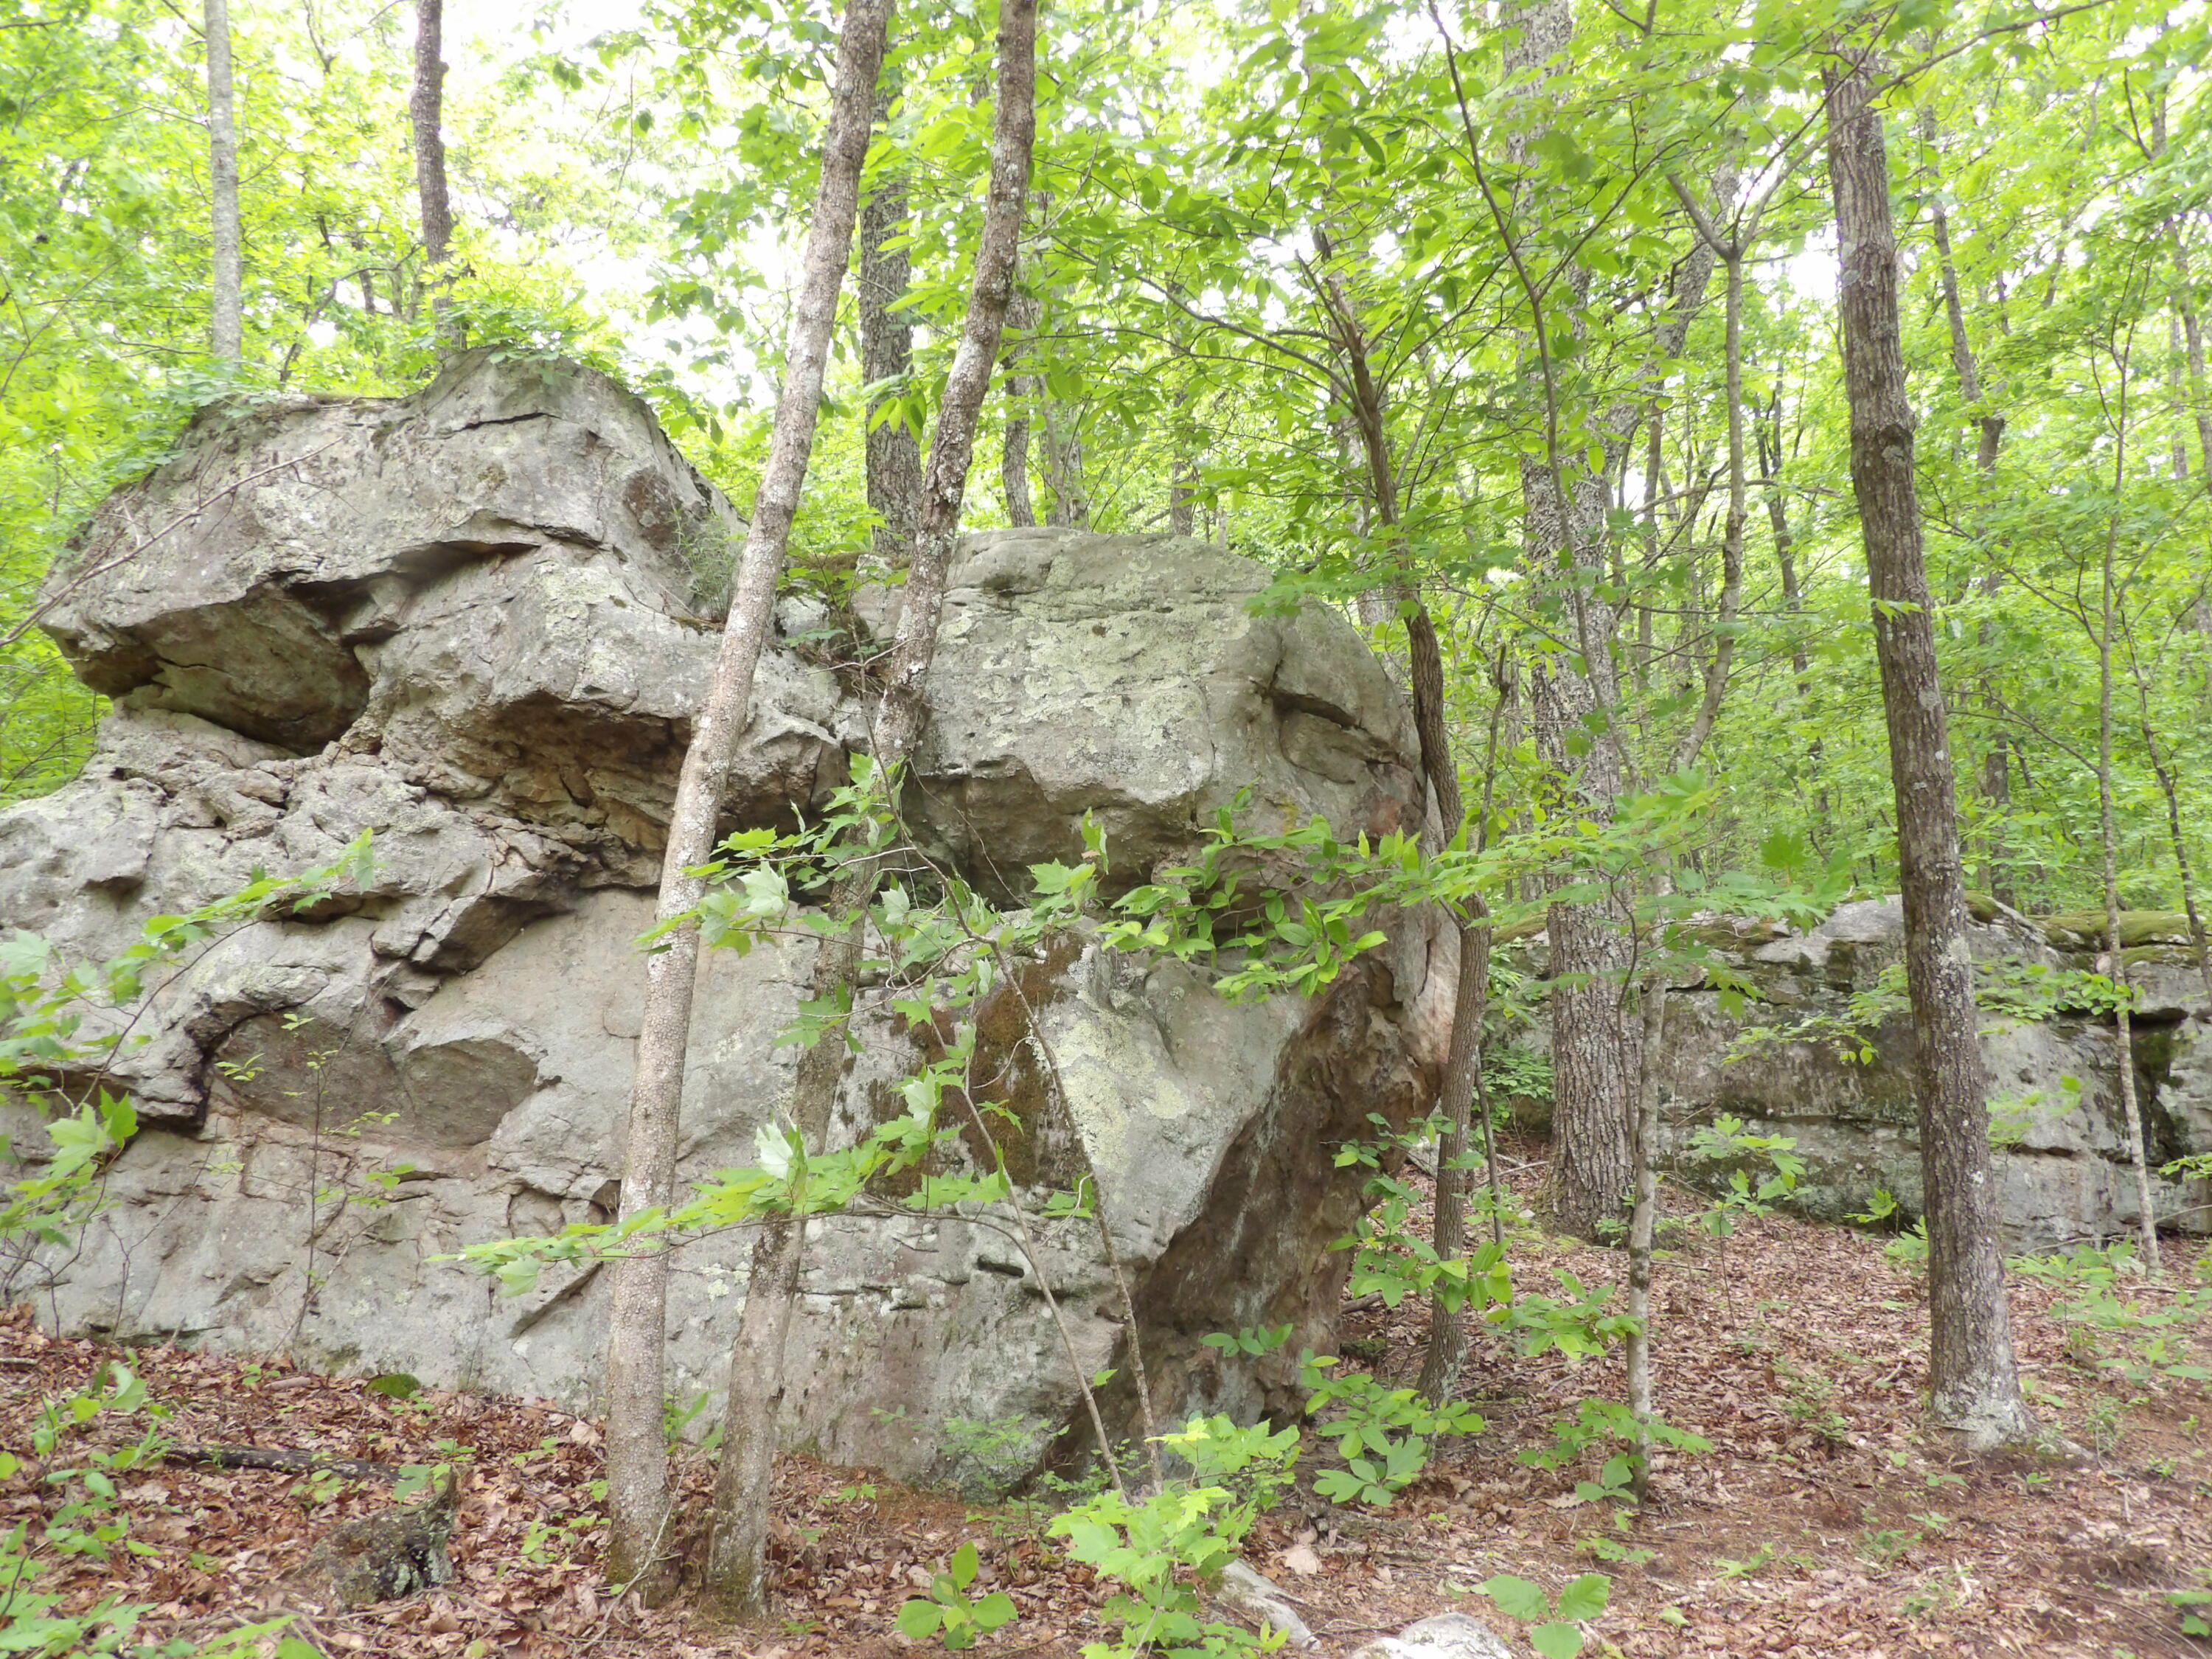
(1517, 1598)
(965, 1565)
(996, 1609)
(1585, 1598)
(1556, 1641)
(918, 1618)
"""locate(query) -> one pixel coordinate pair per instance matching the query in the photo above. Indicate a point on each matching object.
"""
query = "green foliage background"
(633, 195)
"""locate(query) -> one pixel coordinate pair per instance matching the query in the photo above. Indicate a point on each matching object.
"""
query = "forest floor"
(1824, 1520)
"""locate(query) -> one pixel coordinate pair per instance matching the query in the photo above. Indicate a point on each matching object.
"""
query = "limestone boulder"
(492, 583)
(2053, 1082)
(460, 624)
(1128, 676)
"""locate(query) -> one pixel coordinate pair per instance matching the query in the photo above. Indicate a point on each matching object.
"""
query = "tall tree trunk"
(227, 335)
(1793, 598)
(2169, 784)
(426, 110)
(737, 1561)
(1069, 507)
(637, 1457)
(1973, 1384)
(1426, 670)
(1644, 1212)
(894, 454)
(1575, 697)
(1996, 768)
(1644, 1217)
(1785, 559)
(1021, 316)
(2131, 1126)
(2192, 334)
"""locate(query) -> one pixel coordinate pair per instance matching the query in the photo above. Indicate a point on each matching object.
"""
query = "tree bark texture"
(637, 1462)
(227, 331)
(737, 1564)
(1573, 693)
(426, 113)
(1974, 1386)
(1644, 1217)
(425, 110)
(894, 454)
(1570, 691)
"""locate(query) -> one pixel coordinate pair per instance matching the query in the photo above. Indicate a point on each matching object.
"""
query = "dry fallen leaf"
(1301, 1560)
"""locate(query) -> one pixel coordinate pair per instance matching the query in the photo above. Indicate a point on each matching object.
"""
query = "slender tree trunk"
(894, 454)
(1574, 696)
(1446, 1353)
(1022, 315)
(737, 1556)
(1974, 1386)
(426, 110)
(1183, 518)
(1069, 508)
(2132, 1124)
(2169, 786)
(637, 1457)
(1731, 251)
(1643, 1213)
(1778, 520)
(1426, 670)
(227, 336)
(1996, 768)
(1990, 423)
(1643, 1219)
(2192, 334)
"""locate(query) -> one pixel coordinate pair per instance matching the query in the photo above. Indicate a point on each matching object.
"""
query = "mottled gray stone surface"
(2054, 1083)
(460, 622)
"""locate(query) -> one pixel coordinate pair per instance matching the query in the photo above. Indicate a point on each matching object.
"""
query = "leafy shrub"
(1384, 1434)
(1181, 1536)
(1552, 1623)
(947, 1613)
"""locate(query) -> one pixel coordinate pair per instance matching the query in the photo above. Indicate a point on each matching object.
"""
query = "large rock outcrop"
(2053, 1069)
(460, 621)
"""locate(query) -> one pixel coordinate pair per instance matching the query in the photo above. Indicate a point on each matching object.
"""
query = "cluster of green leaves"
(947, 1611)
(1164, 1548)
(1604, 1425)
(1725, 1139)
(1551, 1620)
(2138, 1337)
(1383, 1434)
(1909, 1249)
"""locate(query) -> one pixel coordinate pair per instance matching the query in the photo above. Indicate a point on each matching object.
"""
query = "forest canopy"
(1225, 196)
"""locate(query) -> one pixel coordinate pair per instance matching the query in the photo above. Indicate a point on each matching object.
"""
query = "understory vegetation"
(1770, 447)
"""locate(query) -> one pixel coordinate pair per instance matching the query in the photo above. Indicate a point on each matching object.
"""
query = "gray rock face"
(2054, 1083)
(1441, 1636)
(1067, 683)
(457, 621)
